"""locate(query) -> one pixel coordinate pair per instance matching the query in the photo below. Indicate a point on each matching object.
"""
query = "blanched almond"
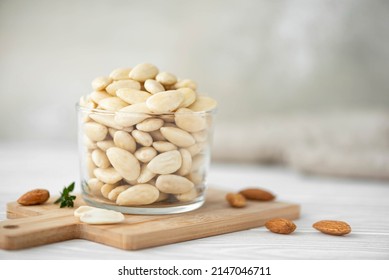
(143, 71)
(89, 144)
(107, 175)
(105, 145)
(99, 216)
(112, 88)
(165, 102)
(143, 138)
(164, 146)
(149, 125)
(132, 114)
(86, 102)
(124, 163)
(189, 120)
(112, 104)
(177, 136)
(132, 96)
(186, 162)
(189, 96)
(166, 78)
(173, 184)
(82, 209)
(145, 175)
(106, 189)
(188, 196)
(113, 195)
(101, 83)
(94, 186)
(125, 141)
(141, 194)
(145, 154)
(166, 163)
(120, 74)
(203, 103)
(153, 86)
(90, 165)
(100, 159)
(105, 119)
(97, 96)
(95, 131)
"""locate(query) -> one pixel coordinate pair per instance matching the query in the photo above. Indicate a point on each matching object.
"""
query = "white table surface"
(363, 204)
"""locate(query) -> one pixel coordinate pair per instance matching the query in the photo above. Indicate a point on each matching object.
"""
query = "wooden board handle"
(33, 231)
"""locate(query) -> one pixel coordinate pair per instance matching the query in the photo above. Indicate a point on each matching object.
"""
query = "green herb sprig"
(66, 199)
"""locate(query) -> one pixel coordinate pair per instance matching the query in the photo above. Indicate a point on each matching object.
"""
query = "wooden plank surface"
(362, 203)
(44, 224)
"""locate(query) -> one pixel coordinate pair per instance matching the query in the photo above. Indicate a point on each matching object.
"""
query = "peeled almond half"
(98, 216)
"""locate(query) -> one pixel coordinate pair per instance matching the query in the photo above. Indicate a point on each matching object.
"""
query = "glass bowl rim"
(81, 108)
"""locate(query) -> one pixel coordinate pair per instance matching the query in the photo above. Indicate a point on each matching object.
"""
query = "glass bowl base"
(154, 209)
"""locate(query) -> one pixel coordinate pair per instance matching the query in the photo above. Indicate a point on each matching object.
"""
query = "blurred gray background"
(298, 82)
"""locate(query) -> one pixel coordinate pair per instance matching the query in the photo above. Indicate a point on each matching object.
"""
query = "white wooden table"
(363, 204)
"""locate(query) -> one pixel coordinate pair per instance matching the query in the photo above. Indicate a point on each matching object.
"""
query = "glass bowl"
(140, 163)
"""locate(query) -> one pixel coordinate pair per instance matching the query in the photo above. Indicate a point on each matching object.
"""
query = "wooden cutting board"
(43, 224)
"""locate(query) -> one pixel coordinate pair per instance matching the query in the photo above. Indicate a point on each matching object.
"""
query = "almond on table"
(34, 197)
(279, 225)
(257, 194)
(236, 200)
(332, 227)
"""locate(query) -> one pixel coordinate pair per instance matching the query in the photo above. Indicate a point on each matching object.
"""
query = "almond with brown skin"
(236, 200)
(257, 194)
(34, 197)
(332, 227)
(280, 225)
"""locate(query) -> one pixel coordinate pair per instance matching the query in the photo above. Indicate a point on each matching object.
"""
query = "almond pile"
(146, 139)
